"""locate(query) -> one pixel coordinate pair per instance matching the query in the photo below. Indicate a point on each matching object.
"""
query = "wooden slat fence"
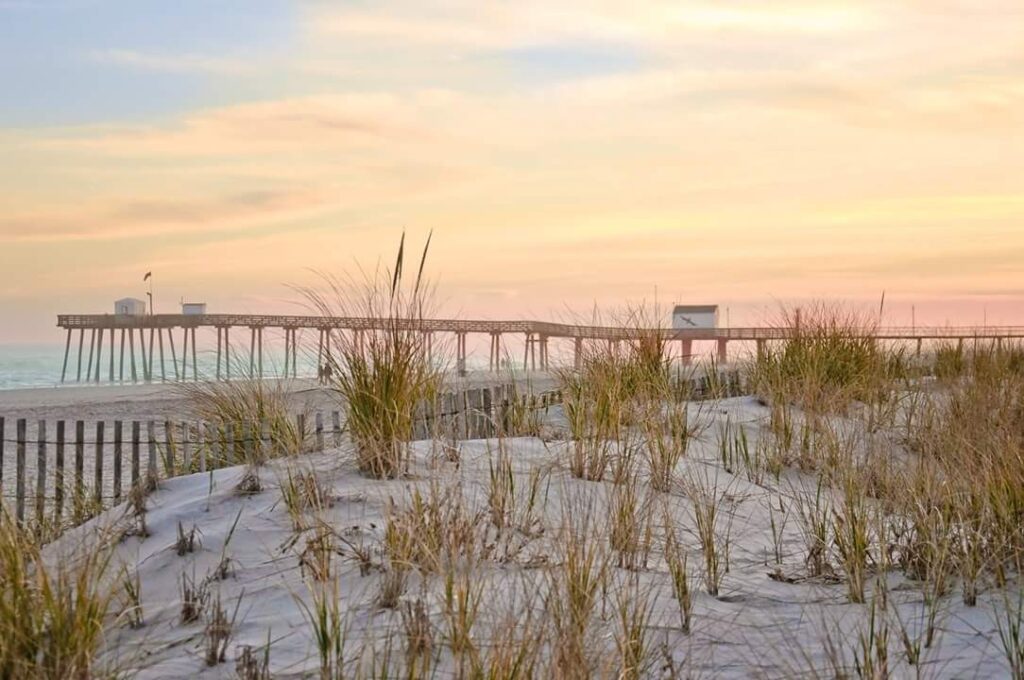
(42, 492)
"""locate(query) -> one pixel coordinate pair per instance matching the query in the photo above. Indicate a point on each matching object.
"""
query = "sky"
(565, 155)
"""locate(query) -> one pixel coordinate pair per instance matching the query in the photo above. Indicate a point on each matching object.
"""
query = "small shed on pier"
(130, 307)
(692, 317)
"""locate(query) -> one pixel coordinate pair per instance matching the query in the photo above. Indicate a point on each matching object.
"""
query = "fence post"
(227, 448)
(41, 474)
(247, 440)
(136, 458)
(151, 471)
(19, 473)
(210, 439)
(474, 415)
(169, 447)
(58, 475)
(79, 466)
(448, 415)
(300, 423)
(319, 431)
(186, 448)
(502, 417)
(419, 421)
(118, 444)
(266, 445)
(488, 412)
(98, 491)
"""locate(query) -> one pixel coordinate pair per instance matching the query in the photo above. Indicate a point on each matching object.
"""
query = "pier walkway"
(127, 331)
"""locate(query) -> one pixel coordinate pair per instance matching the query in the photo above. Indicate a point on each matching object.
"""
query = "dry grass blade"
(383, 372)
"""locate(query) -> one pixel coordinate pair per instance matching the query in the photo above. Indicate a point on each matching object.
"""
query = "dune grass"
(384, 372)
(52, 612)
(871, 467)
(252, 419)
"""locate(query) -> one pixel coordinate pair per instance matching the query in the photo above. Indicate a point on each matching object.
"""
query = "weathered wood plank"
(152, 472)
(98, 469)
(19, 471)
(58, 475)
(118, 455)
(41, 474)
(136, 454)
(79, 498)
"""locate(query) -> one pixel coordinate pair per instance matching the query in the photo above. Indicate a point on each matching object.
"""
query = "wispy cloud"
(179, 63)
(133, 218)
(563, 151)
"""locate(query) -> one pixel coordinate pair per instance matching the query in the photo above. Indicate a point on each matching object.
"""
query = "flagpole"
(149, 277)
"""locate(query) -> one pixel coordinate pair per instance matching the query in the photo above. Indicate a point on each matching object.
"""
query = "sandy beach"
(170, 400)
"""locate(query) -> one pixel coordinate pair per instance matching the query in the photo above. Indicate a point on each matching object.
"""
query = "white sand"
(756, 627)
(168, 400)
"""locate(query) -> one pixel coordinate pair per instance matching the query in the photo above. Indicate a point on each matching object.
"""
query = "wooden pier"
(154, 336)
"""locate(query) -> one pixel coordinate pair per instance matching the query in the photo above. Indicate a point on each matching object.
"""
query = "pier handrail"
(540, 328)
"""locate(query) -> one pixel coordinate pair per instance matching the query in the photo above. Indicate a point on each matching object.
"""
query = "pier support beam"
(687, 352)
(227, 353)
(252, 352)
(761, 348)
(543, 352)
(427, 347)
(111, 367)
(131, 352)
(319, 353)
(360, 337)
(494, 361)
(184, 354)
(160, 339)
(99, 355)
(287, 350)
(92, 346)
(149, 365)
(120, 363)
(219, 332)
(142, 353)
(723, 350)
(259, 347)
(174, 354)
(81, 341)
(64, 371)
(460, 353)
(530, 353)
(195, 361)
(577, 353)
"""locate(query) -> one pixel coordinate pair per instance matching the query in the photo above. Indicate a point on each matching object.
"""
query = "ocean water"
(23, 366)
(30, 366)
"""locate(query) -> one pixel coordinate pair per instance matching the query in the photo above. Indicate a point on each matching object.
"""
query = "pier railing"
(147, 337)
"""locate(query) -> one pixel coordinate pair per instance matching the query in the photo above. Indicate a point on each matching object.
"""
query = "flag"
(146, 277)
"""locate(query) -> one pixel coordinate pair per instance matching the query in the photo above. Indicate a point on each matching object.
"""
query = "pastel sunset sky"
(564, 153)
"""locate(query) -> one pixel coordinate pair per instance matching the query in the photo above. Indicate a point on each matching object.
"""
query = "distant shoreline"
(157, 401)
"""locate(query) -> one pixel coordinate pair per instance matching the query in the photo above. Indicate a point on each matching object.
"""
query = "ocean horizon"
(24, 365)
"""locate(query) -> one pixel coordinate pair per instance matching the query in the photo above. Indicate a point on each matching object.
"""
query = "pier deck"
(537, 335)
